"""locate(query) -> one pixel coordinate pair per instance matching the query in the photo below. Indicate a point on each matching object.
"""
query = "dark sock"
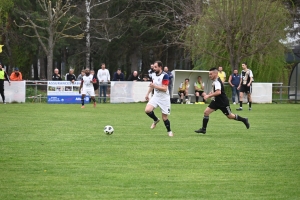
(250, 104)
(152, 115)
(197, 99)
(167, 125)
(205, 121)
(186, 97)
(181, 100)
(241, 104)
(82, 101)
(239, 118)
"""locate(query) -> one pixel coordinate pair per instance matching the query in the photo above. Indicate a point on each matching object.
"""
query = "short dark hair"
(159, 63)
(187, 79)
(213, 69)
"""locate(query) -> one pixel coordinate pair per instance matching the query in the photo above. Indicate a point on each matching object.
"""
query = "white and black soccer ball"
(108, 130)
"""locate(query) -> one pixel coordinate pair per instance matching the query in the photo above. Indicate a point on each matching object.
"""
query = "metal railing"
(36, 91)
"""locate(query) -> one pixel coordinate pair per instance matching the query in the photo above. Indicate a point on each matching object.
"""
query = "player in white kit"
(87, 87)
(160, 98)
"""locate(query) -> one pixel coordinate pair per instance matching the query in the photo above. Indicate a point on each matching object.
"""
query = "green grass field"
(61, 152)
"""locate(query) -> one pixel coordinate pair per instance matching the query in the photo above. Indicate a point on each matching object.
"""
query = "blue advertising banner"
(64, 92)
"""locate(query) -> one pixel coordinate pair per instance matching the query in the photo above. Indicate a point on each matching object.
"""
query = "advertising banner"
(64, 92)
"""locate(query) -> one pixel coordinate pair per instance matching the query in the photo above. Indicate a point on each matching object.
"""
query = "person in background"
(16, 75)
(79, 77)
(221, 74)
(183, 90)
(219, 101)
(134, 76)
(199, 89)
(70, 76)
(150, 71)
(170, 86)
(118, 75)
(234, 82)
(56, 76)
(104, 78)
(245, 86)
(3, 77)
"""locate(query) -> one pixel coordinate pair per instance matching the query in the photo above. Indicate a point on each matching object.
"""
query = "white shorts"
(163, 103)
(89, 91)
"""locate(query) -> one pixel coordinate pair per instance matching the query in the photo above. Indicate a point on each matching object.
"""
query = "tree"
(50, 25)
(236, 30)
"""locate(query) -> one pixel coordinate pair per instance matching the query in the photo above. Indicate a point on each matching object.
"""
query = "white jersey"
(161, 99)
(87, 81)
(159, 81)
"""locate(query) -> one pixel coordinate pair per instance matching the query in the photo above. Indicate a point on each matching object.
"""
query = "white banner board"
(15, 92)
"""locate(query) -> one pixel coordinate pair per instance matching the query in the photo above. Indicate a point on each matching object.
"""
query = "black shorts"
(200, 92)
(246, 89)
(181, 92)
(226, 110)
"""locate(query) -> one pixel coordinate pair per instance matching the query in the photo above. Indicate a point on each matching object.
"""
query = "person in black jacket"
(134, 76)
(118, 75)
(70, 76)
(56, 76)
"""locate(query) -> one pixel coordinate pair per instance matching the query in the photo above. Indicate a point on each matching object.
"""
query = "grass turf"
(61, 152)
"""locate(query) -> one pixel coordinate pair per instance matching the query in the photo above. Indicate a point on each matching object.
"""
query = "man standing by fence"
(3, 77)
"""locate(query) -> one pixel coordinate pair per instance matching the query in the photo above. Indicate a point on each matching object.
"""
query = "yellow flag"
(1, 48)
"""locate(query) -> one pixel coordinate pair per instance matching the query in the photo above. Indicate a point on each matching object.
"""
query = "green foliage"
(60, 152)
(231, 32)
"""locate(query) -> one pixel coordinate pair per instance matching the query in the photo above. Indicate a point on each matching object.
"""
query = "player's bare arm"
(212, 94)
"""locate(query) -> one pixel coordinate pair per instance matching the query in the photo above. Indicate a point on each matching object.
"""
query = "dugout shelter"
(294, 84)
(180, 75)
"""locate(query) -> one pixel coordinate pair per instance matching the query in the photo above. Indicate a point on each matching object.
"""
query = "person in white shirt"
(104, 78)
(87, 87)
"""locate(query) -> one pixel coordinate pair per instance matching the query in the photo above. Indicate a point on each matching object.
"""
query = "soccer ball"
(108, 130)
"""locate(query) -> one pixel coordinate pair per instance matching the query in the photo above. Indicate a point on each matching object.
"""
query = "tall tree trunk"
(87, 32)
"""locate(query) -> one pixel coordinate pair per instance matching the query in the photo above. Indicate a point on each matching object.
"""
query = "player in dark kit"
(245, 86)
(219, 101)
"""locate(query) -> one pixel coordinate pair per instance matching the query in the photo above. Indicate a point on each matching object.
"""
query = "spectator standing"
(170, 86)
(104, 78)
(70, 76)
(183, 90)
(95, 80)
(221, 74)
(219, 101)
(3, 77)
(134, 76)
(56, 76)
(150, 72)
(80, 76)
(199, 89)
(16, 75)
(118, 75)
(234, 81)
(245, 86)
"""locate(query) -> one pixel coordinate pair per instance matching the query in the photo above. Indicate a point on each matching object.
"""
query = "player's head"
(235, 71)
(213, 73)
(186, 80)
(87, 71)
(157, 67)
(244, 65)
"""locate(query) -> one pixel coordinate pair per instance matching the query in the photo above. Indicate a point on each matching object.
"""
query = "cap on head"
(16, 69)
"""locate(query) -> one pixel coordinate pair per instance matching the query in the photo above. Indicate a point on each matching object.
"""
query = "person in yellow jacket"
(3, 77)
(221, 74)
(199, 89)
(183, 90)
